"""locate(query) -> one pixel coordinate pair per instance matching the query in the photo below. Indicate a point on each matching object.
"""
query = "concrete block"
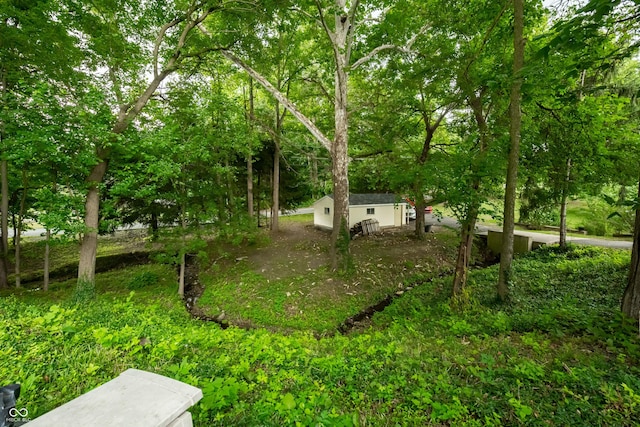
(135, 398)
(494, 241)
(521, 244)
(185, 420)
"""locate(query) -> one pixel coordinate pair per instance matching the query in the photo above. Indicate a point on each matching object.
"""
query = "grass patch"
(578, 214)
(303, 218)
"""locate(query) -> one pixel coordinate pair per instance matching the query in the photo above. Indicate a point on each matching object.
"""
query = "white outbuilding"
(388, 209)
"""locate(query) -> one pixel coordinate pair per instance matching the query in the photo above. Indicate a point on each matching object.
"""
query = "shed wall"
(320, 218)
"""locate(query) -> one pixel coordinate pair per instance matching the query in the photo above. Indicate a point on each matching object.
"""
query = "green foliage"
(142, 280)
(538, 206)
(240, 230)
(559, 354)
(622, 218)
(606, 216)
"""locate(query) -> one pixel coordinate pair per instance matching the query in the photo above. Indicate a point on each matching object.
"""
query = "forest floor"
(286, 284)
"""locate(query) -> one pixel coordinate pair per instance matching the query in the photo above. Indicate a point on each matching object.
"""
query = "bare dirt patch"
(299, 248)
(287, 284)
(295, 249)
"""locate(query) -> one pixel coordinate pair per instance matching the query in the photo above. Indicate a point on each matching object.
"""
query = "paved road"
(39, 232)
(548, 239)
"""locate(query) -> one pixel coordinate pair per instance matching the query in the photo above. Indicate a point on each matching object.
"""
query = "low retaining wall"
(521, 244)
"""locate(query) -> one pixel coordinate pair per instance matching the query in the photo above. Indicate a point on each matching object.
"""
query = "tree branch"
(321, 87)
(317, 133)
(330, 34)
(372, 153)
(551, 111)
(351, 16)
(485, 39)
(127, 114)
(406, 49)
(307, 14)
(633, 17)
(161, 35)
(116, 86)
(371, 54)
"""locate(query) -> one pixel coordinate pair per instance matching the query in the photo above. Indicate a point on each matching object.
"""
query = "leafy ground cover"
(558, 354)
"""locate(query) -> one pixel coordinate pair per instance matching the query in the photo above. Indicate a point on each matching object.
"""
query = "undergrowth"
(558, 354)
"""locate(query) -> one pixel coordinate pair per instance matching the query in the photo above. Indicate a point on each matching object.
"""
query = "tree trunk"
(464, 253)
(468, 228)
(249, 156)
(183, 262)
(563, 219)
(47, 257)
(631, 298)
(14, 226)
(259, 199)
(16, 269)
(275, 205)
(4, 190)
(231, 201)
(250, 184)
(563, 206)
(5, 206)
(340, 237)
(4, 225)
(430, 131)
(18, 232)
(47, 243)
(420, 205)
(183, 255)
(275, 195)
(85, 287)
(155, 227)
(506, 252)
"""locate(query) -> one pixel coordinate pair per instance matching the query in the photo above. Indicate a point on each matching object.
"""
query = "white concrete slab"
(135, 398)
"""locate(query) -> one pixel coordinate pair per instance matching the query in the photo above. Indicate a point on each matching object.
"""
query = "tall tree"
(515, 117)
(480, 74)
(124, 37)
(250, 113)
(631, 298)
(338, 20)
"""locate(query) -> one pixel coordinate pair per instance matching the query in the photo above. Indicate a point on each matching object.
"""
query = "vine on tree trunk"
(345, 259)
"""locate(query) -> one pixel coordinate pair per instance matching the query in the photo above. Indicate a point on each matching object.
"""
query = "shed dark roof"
(371, 199)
